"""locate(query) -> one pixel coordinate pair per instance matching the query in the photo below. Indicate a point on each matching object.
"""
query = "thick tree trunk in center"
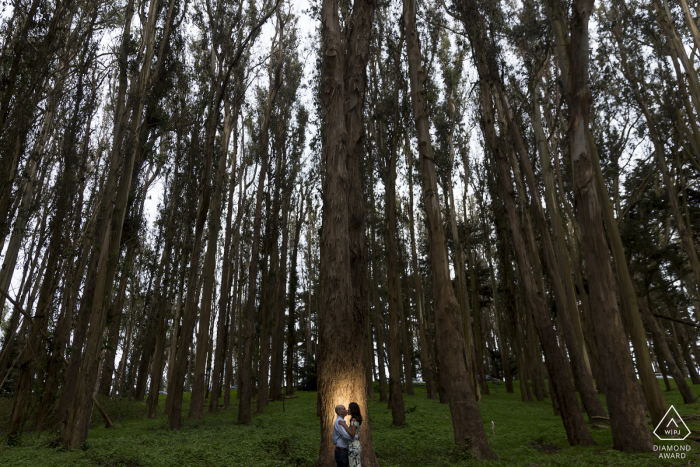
(341, 372)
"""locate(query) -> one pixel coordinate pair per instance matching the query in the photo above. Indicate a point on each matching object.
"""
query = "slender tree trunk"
(398, 414)
(293, 281)
(466, 419)
(563, 296)
(559, 375)
(161, 303)
(664, 352)
(218, 192)
(19, 227)
(189, 316)
(221, 334)
(627, 420)
(471, 352)
(237, 274)
(176, 328)
(377, 316)
(478, 354)
(276, 364)
(426, 370)
(406, 340)
(631, 317)
(246, 368)
(79, 417)
(59, 239)
(505, 360)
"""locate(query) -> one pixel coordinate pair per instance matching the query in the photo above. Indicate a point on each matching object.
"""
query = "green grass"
(527, 434)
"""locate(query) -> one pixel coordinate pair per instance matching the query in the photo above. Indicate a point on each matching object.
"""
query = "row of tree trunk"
(536, 263)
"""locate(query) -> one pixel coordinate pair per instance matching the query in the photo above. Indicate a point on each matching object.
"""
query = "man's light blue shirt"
(341, 438)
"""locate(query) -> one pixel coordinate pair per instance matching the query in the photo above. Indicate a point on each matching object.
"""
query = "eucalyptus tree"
(228, 51)
(657, 261)
(388, 158)
(60, 224)
(628, 423)
(275, 82)
(341, 372)
(301, 205)
(448, 126)
(667, 130)
(466, 419)
(232, 111)
(375, 146)
(231, 37)
(130, 116)
(485, 58)
(291, 145)
(424, 345)
(35, 35)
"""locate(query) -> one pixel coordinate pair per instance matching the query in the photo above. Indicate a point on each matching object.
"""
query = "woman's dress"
(354, 448)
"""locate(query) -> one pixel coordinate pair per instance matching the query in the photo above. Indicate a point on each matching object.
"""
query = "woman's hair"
(355, 411)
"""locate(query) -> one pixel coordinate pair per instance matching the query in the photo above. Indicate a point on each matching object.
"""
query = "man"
(341, 438)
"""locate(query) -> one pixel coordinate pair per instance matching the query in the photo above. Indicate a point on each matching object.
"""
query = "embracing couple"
(346, 438)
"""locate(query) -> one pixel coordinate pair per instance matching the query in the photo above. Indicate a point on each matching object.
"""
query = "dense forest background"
(202, 195)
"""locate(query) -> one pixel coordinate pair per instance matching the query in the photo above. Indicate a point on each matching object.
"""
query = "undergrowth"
(526, 434)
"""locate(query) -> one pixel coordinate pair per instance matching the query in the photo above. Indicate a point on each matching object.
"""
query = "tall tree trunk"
(426, 370)
(406, 340)
(176, 328)
(341, 373)
(354, 74)
(502, 346)
(564, 297)
(237, 274)
(277, 364)
(221, 333)
(474, 354)
(398, 414)
(79, 417)
(559, 375)
(511, 305)
(161, 303)
(664, 352)
(478, 354)
(377, 321)
(466, 419)
(293, 281)
(631, 316)
(58, 242)
(248, 332)
(189, 315)
(471, 352)
(268, 280)
(627, 420)
(218, 192)
(18, 229)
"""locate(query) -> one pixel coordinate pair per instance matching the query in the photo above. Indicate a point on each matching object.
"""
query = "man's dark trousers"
(341, 458)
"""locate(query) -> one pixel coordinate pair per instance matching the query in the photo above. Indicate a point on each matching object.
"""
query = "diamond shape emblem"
(672, 427)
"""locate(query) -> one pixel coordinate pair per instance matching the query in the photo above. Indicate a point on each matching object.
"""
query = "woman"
(354, 448)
